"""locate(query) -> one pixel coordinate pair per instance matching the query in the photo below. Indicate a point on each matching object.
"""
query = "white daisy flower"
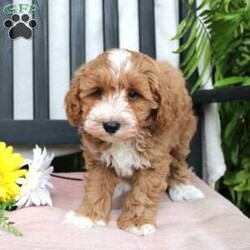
(36, 181)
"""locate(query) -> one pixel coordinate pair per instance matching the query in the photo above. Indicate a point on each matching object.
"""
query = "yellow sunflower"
(9, 172)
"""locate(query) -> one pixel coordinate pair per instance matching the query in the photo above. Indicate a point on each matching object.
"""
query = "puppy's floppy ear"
(72, 102)
(171, 97)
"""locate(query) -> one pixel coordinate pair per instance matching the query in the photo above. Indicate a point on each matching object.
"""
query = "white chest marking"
(124, 158)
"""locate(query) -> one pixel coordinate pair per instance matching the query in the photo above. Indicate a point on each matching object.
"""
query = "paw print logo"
(20, 26)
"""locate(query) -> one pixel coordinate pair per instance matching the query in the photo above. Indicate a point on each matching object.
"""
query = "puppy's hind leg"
(179, 188)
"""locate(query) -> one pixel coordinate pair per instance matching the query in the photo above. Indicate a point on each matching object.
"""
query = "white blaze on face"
(120, 59)
(112, 108)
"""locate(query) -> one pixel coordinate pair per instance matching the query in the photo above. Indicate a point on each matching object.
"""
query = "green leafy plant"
(235, 122)
(217, 40)
(5, 224)
(218, 32)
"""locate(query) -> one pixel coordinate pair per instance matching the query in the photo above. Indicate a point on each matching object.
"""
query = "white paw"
(81, 221)
(142, 230)
(185, 192)
(78, 221)
(101, 223)
(147, 229)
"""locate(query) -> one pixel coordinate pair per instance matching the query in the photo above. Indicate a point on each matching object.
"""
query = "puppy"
(136, 122)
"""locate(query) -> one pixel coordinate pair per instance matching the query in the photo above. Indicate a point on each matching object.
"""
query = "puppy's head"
(114, 96)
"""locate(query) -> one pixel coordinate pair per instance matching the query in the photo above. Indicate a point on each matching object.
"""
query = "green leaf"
(206, 58)
(194, 60)
(190, 2)
(232, 193)
(190, 39)
(193, 48)
(193, 66)
(242, 187)
(205, 13)
(181, 29)
(232, 130)
(232, 178)
(232, 80)
(201, 79)
(190, 54)
(229, 16)
(246, 82)
(185, 25)
(229, 179)
(242, 176)
(6, 225)
(246, 197)
(239, 196)
(235, 154)
(245, 162)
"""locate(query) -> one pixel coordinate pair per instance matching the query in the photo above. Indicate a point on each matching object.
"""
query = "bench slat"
(147, 27)
(110, 24)
(6, 68)
(235, 93)
(77, 34)
(40, 62)
(40, 132)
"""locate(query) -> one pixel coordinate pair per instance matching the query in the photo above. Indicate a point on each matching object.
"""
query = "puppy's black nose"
(111, 127)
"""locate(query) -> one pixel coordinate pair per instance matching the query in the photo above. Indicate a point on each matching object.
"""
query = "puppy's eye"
(132, 95)
(98, 93)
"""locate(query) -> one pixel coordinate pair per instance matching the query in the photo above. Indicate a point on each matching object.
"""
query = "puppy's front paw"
(129, 221)
(185, 192)
(142, 230)
(72, 218)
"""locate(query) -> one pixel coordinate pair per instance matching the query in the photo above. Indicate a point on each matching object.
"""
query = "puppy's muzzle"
(111, 127)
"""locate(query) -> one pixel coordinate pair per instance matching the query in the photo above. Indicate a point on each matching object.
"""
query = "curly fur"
(165, 124)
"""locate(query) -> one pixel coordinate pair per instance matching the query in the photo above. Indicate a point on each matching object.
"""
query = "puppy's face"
(116, 94)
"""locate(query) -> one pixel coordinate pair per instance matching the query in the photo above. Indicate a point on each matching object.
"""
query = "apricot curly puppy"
(136, 121)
